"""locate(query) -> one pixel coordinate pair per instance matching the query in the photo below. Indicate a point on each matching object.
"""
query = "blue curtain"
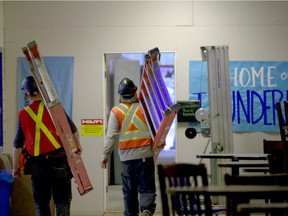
(60, 70)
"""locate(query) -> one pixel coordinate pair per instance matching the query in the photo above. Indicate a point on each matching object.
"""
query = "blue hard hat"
(29, 85)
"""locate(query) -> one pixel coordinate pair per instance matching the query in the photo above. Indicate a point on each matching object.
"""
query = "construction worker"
(46, 159)
(135, 151)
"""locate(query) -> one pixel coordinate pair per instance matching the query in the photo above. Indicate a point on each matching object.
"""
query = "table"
(276, 208)
(214, 190)
(234, 191)
(234, 156)
(236, 165)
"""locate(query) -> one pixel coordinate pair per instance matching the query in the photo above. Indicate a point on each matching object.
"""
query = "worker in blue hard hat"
(46, 159)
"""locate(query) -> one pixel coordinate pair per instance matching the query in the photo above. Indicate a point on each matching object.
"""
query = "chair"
(283, 126)
(267, 207)
(275, 158)
(270, 145)
(5, 162)
(182, 175)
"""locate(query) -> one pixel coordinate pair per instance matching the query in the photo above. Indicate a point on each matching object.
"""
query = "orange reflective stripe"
(134, 143)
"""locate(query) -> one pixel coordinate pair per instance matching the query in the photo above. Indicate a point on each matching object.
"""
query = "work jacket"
(133, 129)
(39, 130)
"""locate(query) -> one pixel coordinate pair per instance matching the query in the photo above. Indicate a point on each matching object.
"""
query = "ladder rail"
(155, 100)
(46, 83)
(70, 144)
(151, 100)
(38, 78)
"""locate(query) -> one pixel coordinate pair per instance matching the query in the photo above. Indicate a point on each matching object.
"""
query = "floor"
(121, 214)
(115, 205)
(115, 198)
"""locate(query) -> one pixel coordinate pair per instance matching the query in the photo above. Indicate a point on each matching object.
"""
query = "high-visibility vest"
(39, 130)
(133, 129)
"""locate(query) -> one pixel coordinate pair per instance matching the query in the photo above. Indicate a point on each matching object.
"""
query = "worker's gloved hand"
(16, 173)
(78, 150)
(104, 163)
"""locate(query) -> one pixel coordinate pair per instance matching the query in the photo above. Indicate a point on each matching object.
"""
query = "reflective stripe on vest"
(40, 126)
(130, 117)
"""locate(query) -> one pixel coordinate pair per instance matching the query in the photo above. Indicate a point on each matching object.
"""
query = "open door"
(118, 66)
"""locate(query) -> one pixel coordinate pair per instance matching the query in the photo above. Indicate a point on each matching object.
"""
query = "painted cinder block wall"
(86, 30)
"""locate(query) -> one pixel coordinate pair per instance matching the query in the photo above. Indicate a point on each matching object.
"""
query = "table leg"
(235, 171)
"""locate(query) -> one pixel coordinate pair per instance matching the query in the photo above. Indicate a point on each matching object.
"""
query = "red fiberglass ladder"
(155, 101)
(58, 115)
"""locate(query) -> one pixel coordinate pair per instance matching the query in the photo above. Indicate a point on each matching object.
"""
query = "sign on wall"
(92, 127)
(187, 111)
(255, 88)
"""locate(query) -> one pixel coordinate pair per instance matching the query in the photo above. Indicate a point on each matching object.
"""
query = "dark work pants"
(51, 176)
(138, 176)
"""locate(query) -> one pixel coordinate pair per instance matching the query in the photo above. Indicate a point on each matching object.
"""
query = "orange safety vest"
(133, 129)
(39, 130)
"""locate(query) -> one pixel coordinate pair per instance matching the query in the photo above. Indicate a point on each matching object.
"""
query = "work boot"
(146, 213)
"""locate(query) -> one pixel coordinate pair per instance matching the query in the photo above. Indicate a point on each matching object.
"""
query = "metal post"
(219, 92)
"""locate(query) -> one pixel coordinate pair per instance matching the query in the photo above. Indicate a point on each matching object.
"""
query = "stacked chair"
(185, 175)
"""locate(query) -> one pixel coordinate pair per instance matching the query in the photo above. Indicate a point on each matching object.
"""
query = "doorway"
(130, 65)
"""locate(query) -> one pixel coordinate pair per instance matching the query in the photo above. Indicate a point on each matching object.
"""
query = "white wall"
(1, 41)
(1, 25)
(86, 30)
